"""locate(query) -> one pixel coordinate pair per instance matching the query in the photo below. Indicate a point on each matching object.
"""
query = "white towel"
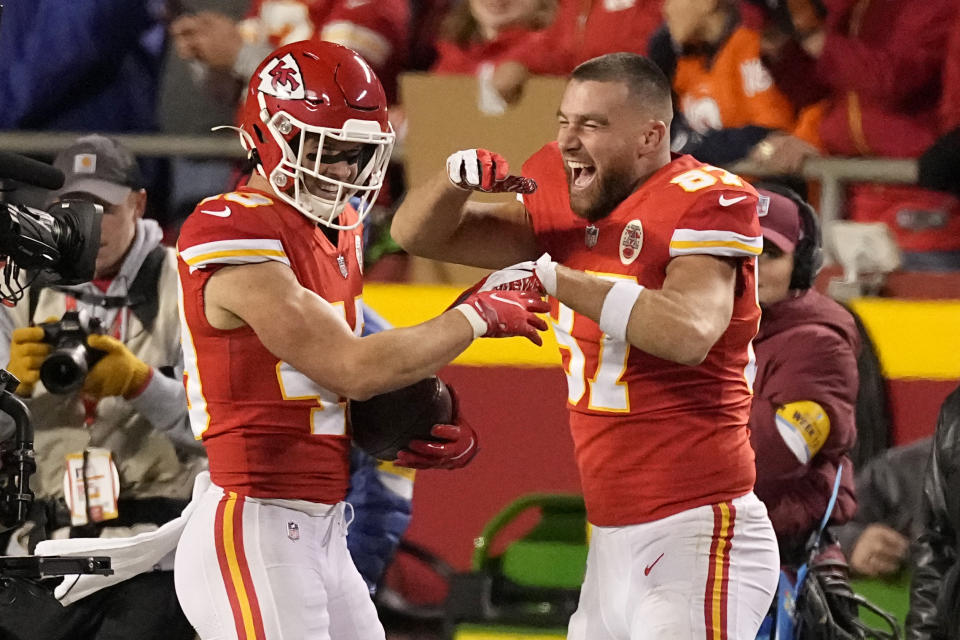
(129, 556)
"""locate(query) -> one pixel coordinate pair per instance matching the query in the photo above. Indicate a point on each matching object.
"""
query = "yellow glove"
(119, 373)
(27, 353)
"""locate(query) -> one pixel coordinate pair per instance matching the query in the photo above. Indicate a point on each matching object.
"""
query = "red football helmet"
(316, 114)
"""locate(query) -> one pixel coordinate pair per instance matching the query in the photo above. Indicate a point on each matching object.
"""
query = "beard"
(602, 196)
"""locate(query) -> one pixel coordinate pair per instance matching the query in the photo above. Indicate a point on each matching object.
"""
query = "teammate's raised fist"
(482, 170)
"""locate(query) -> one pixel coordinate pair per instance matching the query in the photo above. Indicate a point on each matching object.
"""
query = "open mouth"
(581, 174)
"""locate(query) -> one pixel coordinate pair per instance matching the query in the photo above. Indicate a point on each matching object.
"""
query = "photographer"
(121, 441)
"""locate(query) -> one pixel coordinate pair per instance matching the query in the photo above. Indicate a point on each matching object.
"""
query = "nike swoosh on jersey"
(724, 202)
(222, 213)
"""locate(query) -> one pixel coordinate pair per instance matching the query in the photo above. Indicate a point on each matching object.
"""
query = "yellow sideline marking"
(914, 338)
(404, 305)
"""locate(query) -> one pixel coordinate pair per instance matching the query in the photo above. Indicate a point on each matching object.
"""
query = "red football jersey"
(654, 437)
(269, 430)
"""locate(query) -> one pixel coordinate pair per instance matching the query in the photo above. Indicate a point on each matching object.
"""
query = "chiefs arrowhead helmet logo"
(282, 78)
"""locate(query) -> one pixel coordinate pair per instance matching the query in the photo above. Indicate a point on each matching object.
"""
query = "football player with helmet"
(650, 261)
(270, 285)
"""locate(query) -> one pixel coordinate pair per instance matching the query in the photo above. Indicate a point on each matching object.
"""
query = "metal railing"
(50, 143)
(834, 173)
(831, 173)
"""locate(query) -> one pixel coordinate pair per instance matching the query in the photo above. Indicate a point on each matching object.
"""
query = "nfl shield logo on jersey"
(293, 531)
(631, 240)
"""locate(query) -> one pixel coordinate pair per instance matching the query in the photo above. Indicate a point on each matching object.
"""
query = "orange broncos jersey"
(735, 89)
(269, 431)
(653, 437)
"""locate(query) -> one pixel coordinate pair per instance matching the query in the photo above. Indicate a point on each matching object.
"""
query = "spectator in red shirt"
(581, 30)
(879, 66)
(805, 391)
(480, 33)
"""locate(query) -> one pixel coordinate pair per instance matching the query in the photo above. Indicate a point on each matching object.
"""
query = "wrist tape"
(473, 317)
(615, 313)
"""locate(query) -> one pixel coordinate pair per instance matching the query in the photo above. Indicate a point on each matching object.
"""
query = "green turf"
(892, 595)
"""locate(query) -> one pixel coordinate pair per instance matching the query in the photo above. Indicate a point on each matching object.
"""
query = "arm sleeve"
(797, 492)
(164, 401)
(800, 510)
(934, 551)
(910, 58)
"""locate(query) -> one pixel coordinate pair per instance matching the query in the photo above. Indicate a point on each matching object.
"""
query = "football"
(384, 424)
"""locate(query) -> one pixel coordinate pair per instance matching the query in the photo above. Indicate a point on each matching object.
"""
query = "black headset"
(808, 254)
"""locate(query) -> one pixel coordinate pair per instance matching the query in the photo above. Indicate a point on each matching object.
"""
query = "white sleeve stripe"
(244, 251)
(698, 235)
(370, 44)
(723, 243)
(203, 261)
(234, 247)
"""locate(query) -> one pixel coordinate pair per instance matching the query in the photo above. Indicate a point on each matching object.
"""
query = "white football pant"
(258, 569)
(708, 573)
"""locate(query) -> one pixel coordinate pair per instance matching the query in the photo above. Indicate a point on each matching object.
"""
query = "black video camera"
(65, 369)
(59, 245)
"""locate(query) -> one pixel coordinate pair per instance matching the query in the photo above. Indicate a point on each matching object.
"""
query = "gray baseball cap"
(98, 166)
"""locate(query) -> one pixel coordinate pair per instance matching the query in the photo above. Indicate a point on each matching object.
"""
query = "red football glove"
(504, 314)
(539, 277)
(458, 447)
(482, 170)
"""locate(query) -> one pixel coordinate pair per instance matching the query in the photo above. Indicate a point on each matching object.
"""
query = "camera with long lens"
(65, 369)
